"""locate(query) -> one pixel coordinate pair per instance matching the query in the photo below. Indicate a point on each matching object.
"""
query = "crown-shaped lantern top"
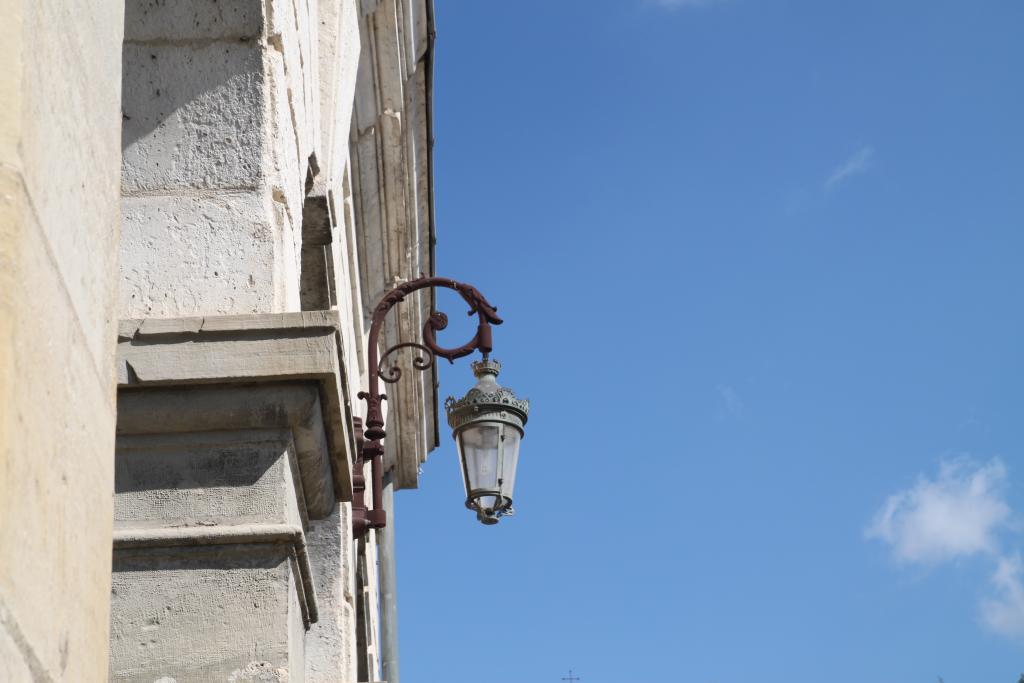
(486, 398)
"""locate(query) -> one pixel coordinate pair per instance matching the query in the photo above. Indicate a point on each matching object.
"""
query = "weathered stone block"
(216, 149)
(211, 255)
(183, 20)
(207, 411)
(206, 479)
(58, 224)
(193, 116)
(69, 153)
(233, 609)
(56, 439)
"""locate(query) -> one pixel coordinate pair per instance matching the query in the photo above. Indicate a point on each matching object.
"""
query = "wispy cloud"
(1004, 613)
(682, 4)
(859, 163)
(956, 514)
(730, 400)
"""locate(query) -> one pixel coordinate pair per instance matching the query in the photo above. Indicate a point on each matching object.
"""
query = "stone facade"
(60, 158)
(183, 325)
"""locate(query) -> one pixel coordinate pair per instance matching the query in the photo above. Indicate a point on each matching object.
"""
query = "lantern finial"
(484, 367)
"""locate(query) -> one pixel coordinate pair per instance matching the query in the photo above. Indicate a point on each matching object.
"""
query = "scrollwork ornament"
(392, 374)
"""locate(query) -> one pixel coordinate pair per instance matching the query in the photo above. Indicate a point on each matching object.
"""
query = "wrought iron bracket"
(369, 443)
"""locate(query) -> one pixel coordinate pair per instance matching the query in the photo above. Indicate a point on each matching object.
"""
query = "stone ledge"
(253, 350)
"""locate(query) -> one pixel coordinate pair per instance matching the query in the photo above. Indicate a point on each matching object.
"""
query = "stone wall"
(248, 184)
(220, 136)
(60, 159)
(392, 190)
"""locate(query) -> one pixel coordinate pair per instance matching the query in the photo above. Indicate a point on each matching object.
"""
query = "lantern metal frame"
(369, 441)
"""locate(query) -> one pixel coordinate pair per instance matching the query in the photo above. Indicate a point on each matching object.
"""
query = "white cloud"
(1004, 613)
(855, 165)
(956, 514)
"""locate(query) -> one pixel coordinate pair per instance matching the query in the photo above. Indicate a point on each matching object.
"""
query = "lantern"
(487, 425)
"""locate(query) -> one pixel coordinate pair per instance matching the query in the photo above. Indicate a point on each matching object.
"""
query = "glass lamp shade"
(489, 452)
(487, 425)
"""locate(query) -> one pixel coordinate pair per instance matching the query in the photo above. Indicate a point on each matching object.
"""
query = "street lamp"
(487, 423)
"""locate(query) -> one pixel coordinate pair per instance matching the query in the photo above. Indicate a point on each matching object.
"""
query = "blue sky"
(760, 265)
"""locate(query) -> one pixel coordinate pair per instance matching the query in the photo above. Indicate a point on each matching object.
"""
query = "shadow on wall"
(192, 93)
(189, 467)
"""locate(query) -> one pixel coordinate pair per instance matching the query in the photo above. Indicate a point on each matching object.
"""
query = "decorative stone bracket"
(232, 433)
(250, 357)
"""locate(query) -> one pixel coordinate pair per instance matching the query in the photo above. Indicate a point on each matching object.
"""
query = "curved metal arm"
(478, 305)
(372, 448)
